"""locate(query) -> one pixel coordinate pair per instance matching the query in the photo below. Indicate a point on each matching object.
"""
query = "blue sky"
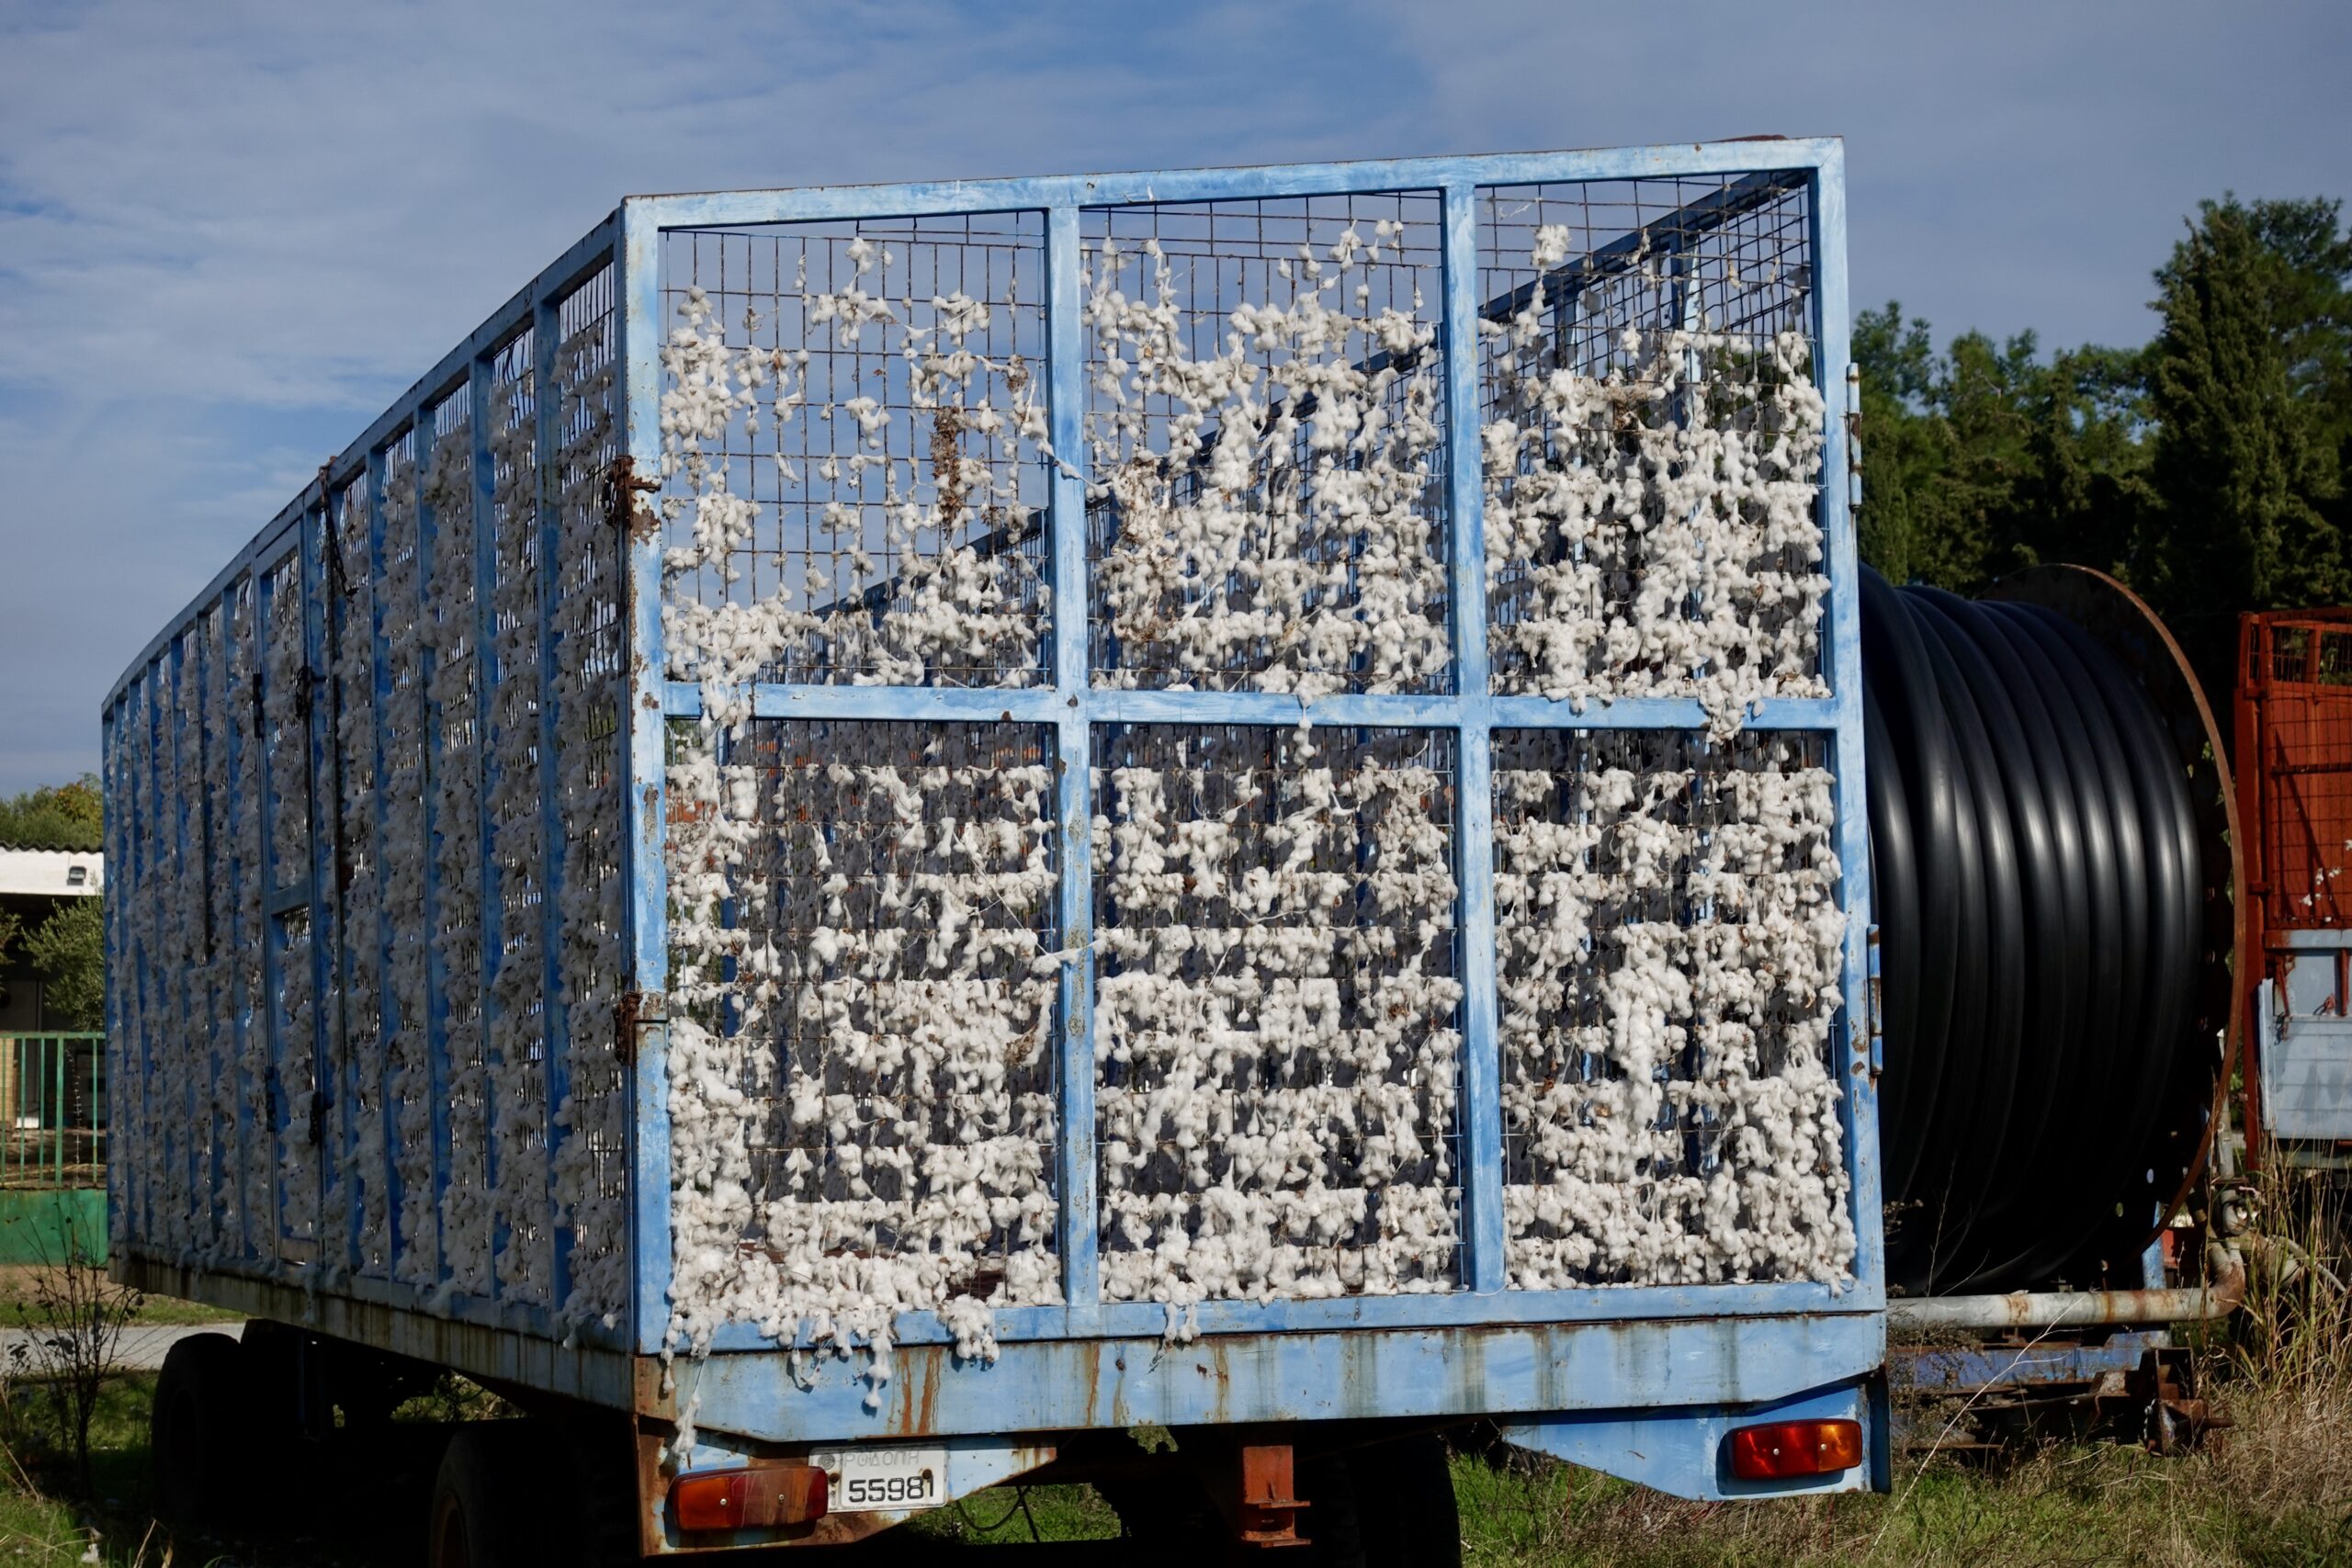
(231, 232)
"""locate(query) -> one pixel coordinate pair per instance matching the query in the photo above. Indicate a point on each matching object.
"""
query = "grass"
(19, 1302)
(2274, 1491)
(1017, 1514)
(2277, 1492)
(2069, 1504)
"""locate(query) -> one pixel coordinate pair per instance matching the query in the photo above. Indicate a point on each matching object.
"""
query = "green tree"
(68, 950)
(2083, 495)
(59, 817)
(1901, 449)
(2247, 394)
(1983, 459)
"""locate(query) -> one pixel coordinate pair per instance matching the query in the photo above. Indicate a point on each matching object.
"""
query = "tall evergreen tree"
(2243, 467)
(1984, 459)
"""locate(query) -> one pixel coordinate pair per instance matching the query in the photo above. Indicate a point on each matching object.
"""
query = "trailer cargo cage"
(969, 814)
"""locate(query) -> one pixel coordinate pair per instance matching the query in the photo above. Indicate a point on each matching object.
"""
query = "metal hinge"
(1877, 1012)
(622, 489)
(631, 1011)
(1853, 438)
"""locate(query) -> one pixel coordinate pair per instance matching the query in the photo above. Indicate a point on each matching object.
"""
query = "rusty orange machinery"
(2293, 743)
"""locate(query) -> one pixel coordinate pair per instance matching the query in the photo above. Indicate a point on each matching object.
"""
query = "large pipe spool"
(2051, 854)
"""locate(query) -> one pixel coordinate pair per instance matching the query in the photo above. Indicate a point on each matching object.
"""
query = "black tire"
(1165, 1514)
(599, 1453)
(199, 1434)
(499, 1502)
(1332, 1521)
(1404, 1504)
(281, 1367)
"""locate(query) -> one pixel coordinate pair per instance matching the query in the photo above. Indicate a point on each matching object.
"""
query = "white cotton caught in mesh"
(255, 1161)
(375, 791)
(515, 1018)
(1276, 1040)
(407, 640)
(1671, 955)
(591, 1185)
(287, 739)
(1273, 478)
(361, 1165)
(860, 1046)
(1652, 527)
(218, 1176)
(452, 638)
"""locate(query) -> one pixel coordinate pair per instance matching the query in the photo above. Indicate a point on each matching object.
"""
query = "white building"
(32, 882)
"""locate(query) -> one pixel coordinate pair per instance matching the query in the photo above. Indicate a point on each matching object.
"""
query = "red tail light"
(1787, 1450)
(759, 1498)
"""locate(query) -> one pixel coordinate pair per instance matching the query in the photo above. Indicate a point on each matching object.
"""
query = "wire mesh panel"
(1265, 429)
(514, 831)
(2298, 724)
(852, 417)
(413, 1250)
(1652, 429)
(291, 1087)
(351, 632)
(253, 1179)
(1669, 949)
(1277, 1035)
(591, 1170)
(455, 967)
(131, 850)
(181, 861)
(375, 783)
(218, 1186)
(864, 1072)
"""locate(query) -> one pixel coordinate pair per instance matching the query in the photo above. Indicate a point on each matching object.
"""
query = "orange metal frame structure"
(2294, 788)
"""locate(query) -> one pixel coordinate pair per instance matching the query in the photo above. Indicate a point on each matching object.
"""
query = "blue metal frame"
(1422, 1353)
(1075, 708)
(300, 524)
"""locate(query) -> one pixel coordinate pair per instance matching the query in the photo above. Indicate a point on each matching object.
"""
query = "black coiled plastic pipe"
(2035, 861)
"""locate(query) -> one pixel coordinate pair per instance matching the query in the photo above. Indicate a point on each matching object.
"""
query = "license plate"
(886, 1480)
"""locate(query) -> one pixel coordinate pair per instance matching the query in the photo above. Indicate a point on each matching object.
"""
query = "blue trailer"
(888, 834)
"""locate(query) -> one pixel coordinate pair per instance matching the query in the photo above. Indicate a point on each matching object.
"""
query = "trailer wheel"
(196, 1432)
(1404, 1504)
(499, 1502)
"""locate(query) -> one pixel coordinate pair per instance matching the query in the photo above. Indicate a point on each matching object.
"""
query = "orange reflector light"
(1786, 1450)
(761, 1498)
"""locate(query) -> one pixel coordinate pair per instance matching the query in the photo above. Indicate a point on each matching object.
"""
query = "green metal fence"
(52, 1148)
(53, 1095)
